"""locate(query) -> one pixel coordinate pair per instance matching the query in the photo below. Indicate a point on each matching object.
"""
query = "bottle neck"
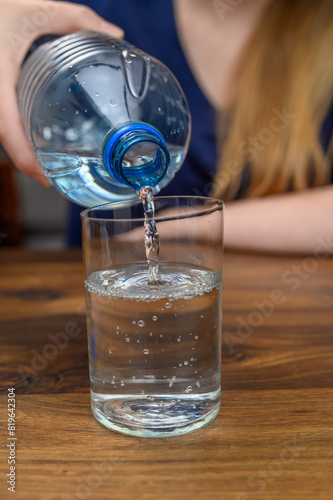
(135, 154)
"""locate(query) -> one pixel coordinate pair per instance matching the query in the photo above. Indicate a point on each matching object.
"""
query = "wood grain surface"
(273, 438)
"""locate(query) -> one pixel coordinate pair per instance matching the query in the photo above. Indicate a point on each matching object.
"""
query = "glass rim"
(219, 205)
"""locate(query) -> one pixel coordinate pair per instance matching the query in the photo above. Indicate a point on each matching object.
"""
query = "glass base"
(160, 417)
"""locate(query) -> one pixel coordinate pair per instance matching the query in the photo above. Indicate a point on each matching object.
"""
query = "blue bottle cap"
(129, 161)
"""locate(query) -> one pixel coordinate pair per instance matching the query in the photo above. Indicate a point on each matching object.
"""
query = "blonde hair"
(270, 131)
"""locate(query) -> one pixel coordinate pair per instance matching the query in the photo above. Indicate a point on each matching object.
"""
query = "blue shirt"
(150, 25)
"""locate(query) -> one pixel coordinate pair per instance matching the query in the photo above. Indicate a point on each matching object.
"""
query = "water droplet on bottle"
(96, 94)
(170, 384)
(122, 383)
(113, 102)
(133, 322)
(168, 305)
(197, 384)
(188, 389)
(196, 337)
(151, 398)
(151, 334)
(179, 339)
(141, 323)
(154, 318)
(127, 339)
(185, 363)
(134, 377)
(192, 359)
(146, 351)
(76, 112)
(69, 90)
(110, 352)
(161, 404)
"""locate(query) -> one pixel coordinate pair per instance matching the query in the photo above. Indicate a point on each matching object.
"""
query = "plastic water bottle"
(104, 118)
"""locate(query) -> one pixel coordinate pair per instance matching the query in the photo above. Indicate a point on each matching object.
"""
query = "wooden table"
(273, 438)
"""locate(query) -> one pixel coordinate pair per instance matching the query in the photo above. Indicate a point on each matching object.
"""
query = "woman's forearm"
(291, 222)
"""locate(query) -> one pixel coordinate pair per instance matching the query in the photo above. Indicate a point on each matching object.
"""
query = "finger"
(53, 17)
(66, 17)
(13, 138)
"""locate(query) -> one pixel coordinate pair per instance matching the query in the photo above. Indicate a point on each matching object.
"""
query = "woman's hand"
(22, 22)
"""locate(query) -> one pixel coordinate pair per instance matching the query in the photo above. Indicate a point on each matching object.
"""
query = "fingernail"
(112, 29)
(42, 180)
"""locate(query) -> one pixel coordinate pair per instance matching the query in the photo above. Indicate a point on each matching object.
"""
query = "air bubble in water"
(96, 94)
(170, 384)
(127, 339)
(134, 377)
(185, 363)
(188, 389)
(113, 102)
(133, 322)
(151, 398)
(197, 384)
(76, 112)
(141, 323)
(196, 337)
(146, 351)
(122, 383)
(110, 352)
(154, 318)
(179, 339)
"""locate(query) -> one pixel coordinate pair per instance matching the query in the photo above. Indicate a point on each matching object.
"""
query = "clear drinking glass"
(154, 344)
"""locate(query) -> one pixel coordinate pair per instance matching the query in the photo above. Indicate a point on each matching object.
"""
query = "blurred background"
(31, 216)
